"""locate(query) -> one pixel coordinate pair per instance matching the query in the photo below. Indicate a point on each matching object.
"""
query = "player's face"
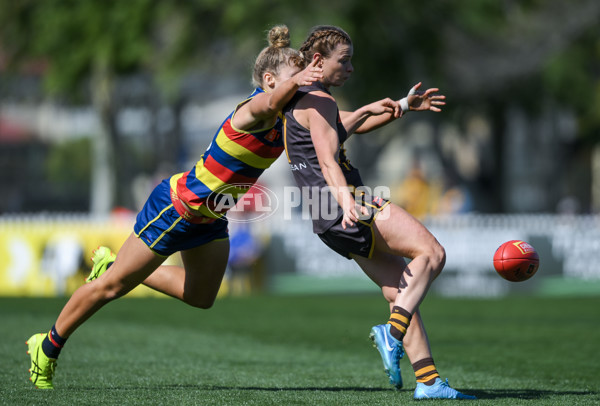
(337, 67)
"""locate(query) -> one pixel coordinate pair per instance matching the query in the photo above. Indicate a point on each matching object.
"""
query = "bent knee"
(438, 258)
(389, 293)
(200, 303)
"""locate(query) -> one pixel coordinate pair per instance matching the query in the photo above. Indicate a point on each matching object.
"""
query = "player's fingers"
(346, 223)
(353, 215)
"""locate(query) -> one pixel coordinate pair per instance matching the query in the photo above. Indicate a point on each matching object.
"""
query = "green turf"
(301, 350)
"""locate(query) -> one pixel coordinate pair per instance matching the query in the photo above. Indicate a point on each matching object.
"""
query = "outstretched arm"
(419, 100)
(371, 116)
(416, 100)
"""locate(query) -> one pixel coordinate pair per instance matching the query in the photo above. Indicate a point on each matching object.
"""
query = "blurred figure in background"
(416, 194)
(245, 251)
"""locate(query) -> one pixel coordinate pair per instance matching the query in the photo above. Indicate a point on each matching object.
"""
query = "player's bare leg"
(198, 281)
(416, 341)
(386, 270)
(400, 234)
(134, 262)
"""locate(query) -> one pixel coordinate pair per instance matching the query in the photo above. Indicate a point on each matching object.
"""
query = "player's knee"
(107, 292)
(438, 258)
(200, 302)
(390, 293)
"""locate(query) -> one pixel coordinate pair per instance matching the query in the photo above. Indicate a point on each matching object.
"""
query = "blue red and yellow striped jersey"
(231, 164)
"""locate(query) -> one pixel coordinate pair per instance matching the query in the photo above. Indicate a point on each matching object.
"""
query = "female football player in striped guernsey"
(182, 213)
(377, 234)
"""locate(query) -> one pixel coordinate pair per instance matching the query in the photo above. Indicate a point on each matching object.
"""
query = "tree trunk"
(103, 166)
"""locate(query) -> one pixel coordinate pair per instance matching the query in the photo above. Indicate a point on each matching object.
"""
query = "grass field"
(304, 350)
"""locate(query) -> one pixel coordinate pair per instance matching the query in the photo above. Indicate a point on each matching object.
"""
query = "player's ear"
(319, 57)
(268, 79)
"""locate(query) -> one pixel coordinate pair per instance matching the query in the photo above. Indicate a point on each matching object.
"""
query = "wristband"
(404, 104)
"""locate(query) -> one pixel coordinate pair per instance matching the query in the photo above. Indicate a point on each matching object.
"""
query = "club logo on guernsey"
(244, 203)
(272, 135)
(298, 167)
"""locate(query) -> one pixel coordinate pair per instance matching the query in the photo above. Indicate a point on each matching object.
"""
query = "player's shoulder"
(317, 99)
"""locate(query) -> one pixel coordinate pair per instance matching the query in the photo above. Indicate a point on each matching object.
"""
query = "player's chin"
(341, 81)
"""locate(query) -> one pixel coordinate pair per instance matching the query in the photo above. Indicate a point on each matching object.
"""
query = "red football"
(516, 260)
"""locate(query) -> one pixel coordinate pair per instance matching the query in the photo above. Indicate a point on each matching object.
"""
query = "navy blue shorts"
(358, 240)
(165, 232)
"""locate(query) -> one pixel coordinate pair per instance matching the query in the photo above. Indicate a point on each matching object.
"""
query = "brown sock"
(399, 320)
(425, 371)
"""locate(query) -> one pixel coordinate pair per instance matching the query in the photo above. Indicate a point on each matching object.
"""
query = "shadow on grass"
(527, 394)
(522, 393)
(251, 388)
(300, 389)
(480, 393)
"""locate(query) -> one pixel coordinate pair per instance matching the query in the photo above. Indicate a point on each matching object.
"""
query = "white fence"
(569, 249)
(36, 260)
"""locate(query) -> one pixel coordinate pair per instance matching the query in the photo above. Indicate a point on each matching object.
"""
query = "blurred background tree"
(523, 65)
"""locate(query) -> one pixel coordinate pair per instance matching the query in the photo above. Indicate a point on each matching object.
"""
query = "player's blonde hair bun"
(277, 54)
(279, 36)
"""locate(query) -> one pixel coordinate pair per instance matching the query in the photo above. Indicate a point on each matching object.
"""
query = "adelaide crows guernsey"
(228, 168)
(302, 157)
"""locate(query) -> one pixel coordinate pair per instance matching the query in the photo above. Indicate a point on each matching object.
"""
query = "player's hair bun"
(279, 36)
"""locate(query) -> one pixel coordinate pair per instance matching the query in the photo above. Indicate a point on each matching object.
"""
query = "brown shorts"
(359, 239)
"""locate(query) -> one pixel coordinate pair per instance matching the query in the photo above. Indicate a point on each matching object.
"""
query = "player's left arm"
(373, 115)
(416, 100)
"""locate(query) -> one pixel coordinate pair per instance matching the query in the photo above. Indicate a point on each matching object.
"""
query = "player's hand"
(312, 73)
(352, 215)
(419, 100)
(383, 106)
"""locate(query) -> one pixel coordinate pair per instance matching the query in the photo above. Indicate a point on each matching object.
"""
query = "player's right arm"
(320, 117)
(265, 106)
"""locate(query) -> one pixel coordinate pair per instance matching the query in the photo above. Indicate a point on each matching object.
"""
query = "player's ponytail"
(276, 54)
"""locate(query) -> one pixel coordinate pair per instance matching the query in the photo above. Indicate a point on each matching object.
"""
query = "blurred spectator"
(456, 199)
(244, 253)
(568, 205)
(416, 194)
